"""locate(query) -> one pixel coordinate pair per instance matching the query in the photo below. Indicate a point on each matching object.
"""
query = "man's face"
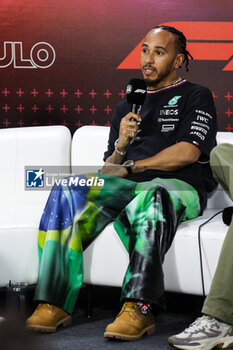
(158, 58)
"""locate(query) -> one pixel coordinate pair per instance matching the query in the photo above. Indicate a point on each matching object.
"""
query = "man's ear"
(178, 60)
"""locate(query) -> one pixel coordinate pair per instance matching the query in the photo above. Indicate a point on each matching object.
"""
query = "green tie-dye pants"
(146, 217)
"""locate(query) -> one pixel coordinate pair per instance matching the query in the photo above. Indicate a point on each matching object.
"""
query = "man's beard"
(153, 83)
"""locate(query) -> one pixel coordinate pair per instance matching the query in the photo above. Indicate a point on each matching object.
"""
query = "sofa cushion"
(20, 209)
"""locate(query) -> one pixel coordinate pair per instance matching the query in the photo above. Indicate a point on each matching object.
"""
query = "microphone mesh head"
(136, 92)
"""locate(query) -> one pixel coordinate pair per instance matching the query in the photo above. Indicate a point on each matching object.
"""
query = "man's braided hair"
(180, 42)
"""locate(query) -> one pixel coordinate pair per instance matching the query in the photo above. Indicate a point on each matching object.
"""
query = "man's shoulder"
(193, 87)
(122, 104)
(122, 108)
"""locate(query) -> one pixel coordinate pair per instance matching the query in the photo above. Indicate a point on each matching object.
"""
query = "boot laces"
(129, 307)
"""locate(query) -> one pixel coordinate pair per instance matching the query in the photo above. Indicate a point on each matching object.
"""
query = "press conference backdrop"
(68, 62)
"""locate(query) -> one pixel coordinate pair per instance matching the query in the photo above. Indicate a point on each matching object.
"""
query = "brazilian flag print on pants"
(145, 215)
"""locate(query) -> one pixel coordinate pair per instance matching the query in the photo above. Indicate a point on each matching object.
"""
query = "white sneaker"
(204, 334)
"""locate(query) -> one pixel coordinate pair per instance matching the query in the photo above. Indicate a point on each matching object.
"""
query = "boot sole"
(149, 331)
(223, 343)
(65, 322)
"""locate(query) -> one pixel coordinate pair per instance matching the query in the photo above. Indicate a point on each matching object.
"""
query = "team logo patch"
(174, 100)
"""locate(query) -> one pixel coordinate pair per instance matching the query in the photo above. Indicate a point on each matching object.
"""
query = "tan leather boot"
(47, 317)
(131, 323)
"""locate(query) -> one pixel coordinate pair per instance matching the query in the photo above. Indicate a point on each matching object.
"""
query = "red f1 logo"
(205, 41)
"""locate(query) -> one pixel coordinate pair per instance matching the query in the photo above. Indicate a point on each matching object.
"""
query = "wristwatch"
(128, 164)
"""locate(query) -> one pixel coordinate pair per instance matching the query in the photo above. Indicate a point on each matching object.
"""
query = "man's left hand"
(114, 169)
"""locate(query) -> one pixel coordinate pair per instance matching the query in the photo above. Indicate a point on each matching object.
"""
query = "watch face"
(128, 164)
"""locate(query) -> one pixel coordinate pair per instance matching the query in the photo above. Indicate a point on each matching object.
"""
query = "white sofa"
(106, 259)
(20, 210)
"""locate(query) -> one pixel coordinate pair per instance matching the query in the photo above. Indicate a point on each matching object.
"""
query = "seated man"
(153, 179)
(215, 327)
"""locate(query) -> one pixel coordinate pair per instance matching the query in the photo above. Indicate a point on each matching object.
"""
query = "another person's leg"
(219, 302)
(147, 227)
(73, 217)
(215, 327)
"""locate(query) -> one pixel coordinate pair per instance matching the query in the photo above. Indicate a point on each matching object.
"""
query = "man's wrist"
(134, 168)
(128, 164)
(119, 149)
(137, 168)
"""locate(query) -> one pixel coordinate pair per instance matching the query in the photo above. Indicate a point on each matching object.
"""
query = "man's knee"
(221, 152)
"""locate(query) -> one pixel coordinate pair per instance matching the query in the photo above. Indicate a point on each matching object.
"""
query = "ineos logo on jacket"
(168, 112)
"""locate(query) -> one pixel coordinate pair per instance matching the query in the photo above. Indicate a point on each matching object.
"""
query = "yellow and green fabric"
(145, 215)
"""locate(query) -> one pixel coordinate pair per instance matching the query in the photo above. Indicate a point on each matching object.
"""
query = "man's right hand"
(128, 130)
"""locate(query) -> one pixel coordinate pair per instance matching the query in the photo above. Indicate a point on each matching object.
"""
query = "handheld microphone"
(136, 93)
(227, 215)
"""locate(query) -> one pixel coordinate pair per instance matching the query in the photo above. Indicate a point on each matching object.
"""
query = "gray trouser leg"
(219, 302)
